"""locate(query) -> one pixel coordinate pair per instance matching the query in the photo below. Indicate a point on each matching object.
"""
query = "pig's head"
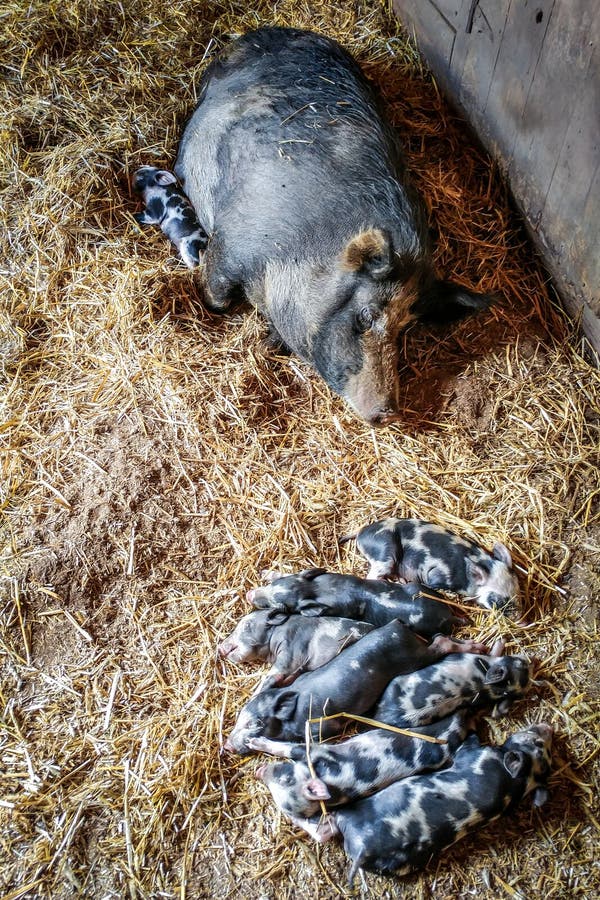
(149, 176)
(265, 715)
(507, 679)
(527, 756)
(492, 580)
(355, 344)
(286, 594)
(295, 792)
(250, 638)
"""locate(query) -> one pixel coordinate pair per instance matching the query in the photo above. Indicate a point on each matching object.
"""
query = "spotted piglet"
(401, 827)
(458, 681)
(354, 768)
(415, 550)
(168, 207)
(293, 644)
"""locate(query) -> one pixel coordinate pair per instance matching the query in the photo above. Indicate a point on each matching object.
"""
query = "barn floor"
(156, 459)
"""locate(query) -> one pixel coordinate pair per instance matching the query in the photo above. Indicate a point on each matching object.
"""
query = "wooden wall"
(527, 77)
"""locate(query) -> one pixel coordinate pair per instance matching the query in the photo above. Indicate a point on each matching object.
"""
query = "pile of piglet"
(379, 649)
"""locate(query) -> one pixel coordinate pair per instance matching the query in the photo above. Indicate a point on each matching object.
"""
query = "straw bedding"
(156, 459)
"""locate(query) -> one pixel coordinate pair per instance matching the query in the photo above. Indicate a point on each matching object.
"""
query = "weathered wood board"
(527, 77)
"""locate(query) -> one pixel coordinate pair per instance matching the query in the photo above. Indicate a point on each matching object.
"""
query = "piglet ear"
(501, 709)
(163, 177)
(310, 574)
(277, 617)
(370, 252)
(284, 705)
(311, 608)
(315, 789)
(540, 796)
(499, 551)
(514, 762)
(496, 673)
(477, 573)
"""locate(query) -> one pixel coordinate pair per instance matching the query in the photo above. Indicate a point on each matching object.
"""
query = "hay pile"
(155, 460)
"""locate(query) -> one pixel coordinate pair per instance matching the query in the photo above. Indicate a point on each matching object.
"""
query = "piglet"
(401, 827)
(458, 681)
(294, 644)
(415, 550)
(352, 682)
(168, 207)
(354, 768)
(316, 592)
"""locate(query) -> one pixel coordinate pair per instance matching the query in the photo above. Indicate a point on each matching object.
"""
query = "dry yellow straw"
(375, 724)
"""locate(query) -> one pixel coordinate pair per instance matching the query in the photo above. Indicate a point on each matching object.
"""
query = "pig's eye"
(364, 319)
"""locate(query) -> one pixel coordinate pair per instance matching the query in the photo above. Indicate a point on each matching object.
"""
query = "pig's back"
(287, 149)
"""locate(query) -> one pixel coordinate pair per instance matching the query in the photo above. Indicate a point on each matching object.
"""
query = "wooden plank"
(435, 29)
(477, 48)
(558, 79)
(521, 45)
(571, 206)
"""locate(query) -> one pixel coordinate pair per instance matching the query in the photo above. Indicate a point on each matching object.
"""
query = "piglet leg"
(275, 748)
(321, 830)
(443, 644)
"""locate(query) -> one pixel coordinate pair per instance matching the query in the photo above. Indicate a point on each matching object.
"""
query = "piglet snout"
(225, 649)
(250, 595)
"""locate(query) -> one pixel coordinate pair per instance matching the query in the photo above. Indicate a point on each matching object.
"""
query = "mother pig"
(300, 183)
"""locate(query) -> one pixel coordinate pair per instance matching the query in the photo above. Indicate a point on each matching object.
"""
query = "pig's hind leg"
(223, 282)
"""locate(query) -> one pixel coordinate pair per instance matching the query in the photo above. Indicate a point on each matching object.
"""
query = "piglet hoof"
(258, 744)
(326, 830)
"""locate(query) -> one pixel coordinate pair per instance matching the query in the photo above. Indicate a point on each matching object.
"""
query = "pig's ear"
(315, 789)
(309, 574)
(163, 177)
(284, 706)
(477, 572)
(540, 796)
(496, 673)
(370, 252)
(311, 608)
(277, 617)
(514, 762)
(502, 553)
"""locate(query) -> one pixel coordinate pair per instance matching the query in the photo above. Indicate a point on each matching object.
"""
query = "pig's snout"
(372, 395)
(229, 746)
(250, 595)
(382, 417)
(225, 649)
